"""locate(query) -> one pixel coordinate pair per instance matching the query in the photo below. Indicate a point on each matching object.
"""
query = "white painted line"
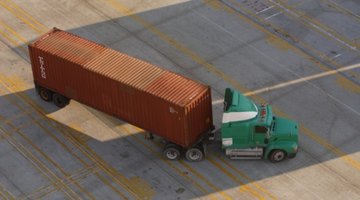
(347, 10)
(220, 101)
(273, 15)
(303, 79)
(336, 56)
(317, 27)
(278, 63)
(268, 8)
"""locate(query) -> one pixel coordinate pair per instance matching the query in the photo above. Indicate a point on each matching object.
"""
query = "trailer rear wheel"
(171, 152)
(60, 101)
(194, 154)
(45, 94)
(277, 156)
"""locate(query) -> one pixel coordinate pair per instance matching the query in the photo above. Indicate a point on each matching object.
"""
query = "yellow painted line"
(243, 186)
(235, 84)
(20, 115)
(189, 168)
(344, 156)
(6, 194)
(31, 103)
(246, 177)
(46, 190)
(130, 189)
(7, 27)
(344, 83)
(184, 164)
(112, 173)
(342, 9)
(203, 178)
(39, 165)
(281, 43)
(22, 126)
(314, 24)
(116, 176)
(26, 15)
(301, 80)
(174, 43)
(43, 154)
(223, 169)
(17, 12)
(111, 186)
(6, 36)
(2, 195)
(144, 191)
(193, 171)
(24, 98)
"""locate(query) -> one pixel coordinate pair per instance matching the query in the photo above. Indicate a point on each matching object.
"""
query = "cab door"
(259, 135)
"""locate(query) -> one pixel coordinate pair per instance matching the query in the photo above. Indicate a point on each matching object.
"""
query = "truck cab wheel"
(171, 152)
(194, 154)
(60, 101)
(45, 94)
(277, 156)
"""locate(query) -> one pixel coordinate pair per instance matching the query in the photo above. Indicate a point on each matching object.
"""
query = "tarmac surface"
(300, 56)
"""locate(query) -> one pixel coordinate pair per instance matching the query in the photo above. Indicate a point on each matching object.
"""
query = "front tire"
(194, 154)
(171, 152)
(60, 100)
(277, 156)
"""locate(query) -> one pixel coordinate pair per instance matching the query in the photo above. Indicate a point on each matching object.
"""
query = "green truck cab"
(251, 131)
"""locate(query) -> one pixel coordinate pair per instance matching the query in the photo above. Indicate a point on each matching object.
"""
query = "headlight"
(296, 148)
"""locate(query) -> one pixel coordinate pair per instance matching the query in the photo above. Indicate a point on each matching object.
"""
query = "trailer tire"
(277, 156)
(194, 154)
(60, 100)
(171, 152)
(45, 94)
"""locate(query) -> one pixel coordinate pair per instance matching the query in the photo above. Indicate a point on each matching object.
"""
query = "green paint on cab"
(252, 131)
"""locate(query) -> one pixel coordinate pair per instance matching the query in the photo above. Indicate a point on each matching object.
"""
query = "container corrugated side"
(159, 101)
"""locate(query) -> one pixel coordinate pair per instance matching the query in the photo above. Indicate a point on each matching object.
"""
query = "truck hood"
(285, 127)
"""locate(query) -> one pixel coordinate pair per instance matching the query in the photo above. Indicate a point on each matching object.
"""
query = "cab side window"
(261, 129)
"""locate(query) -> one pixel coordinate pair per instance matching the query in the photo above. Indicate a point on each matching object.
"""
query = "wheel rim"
(171, 154)
(44, 94)
(278, 156)
(194, 155)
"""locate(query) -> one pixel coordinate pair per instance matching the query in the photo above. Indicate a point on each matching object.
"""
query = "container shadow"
(126, 35)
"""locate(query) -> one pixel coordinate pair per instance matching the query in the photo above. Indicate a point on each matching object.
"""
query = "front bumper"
(291, 155)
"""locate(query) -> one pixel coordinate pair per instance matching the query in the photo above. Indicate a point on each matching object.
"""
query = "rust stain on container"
(159, 101)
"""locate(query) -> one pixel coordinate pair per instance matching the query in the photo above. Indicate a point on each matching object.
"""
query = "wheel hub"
(171, 154)
(279, 156)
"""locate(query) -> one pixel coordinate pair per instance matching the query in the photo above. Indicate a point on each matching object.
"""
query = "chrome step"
(250, 153)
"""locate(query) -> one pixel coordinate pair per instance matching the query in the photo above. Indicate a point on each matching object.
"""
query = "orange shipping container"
(159, 101)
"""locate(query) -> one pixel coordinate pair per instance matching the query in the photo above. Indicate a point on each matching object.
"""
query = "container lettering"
(42, 67)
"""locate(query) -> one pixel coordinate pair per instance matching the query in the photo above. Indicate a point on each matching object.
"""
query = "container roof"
(121, 67)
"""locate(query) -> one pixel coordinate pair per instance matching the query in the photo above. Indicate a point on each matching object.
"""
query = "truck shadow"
(128, 151)
(128, 147)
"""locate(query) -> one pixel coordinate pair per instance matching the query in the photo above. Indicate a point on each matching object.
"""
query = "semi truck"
(171, 106)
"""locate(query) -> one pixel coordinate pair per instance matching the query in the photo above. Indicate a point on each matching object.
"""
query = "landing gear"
(194, 154)
(172, 151)
(277, 156)
(60, 100)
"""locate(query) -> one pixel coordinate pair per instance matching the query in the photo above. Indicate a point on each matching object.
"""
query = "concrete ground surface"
(301, 56)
